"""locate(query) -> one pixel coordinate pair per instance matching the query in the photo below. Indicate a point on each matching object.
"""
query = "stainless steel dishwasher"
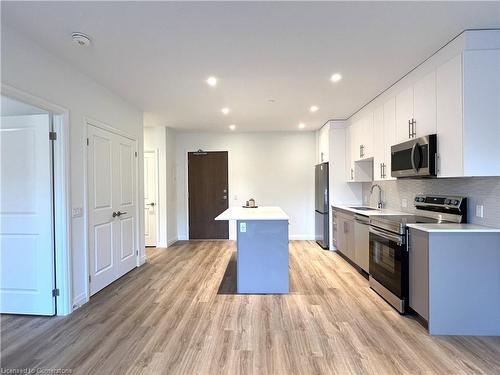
(362, 242)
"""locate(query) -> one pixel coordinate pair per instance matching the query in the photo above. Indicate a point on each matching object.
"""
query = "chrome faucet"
(380, 204)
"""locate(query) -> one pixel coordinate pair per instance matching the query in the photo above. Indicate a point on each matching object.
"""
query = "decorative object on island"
(250, 203)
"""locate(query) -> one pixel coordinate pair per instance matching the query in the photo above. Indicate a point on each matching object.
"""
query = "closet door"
(111, 172)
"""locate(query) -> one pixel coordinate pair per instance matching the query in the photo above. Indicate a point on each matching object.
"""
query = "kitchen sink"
(364, 208)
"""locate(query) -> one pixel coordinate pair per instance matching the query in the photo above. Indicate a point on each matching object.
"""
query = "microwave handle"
(412, 157)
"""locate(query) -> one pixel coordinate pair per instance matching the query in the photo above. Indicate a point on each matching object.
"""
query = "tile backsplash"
(478, 190)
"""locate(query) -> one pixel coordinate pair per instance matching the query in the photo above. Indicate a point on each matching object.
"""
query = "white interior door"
(26, 229)
(112, 207)
(150, 194)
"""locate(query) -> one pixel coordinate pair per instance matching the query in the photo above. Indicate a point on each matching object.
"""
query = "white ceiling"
(157, 55)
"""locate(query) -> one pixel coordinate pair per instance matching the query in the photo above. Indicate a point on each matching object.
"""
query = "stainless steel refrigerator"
(321, 205)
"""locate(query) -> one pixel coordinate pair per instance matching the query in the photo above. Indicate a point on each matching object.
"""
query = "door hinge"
(137, 252)
(52, 136)
(90, 279)
(88, 142)
(136, 154)
(55, 292)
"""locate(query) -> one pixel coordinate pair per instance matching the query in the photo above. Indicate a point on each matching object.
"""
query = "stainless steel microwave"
(415, 158)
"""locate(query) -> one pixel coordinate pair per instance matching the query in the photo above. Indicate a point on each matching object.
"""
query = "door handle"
(150, 204)
(118, 213)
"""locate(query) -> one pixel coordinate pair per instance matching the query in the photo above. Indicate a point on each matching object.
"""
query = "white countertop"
(259, 213)
(376, 212)
(456, 228)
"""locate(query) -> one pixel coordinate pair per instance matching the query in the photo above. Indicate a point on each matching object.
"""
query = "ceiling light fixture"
(302, 125)
(336, 77)
(81, 39)
(232, 127)
(212, 81)
(225, 110)
(313, 108)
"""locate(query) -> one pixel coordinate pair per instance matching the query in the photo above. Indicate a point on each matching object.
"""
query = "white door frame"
(155, 152)
(62, 197)
(109, 128)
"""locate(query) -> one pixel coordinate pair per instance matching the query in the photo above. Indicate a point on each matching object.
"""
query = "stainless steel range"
(389, 245)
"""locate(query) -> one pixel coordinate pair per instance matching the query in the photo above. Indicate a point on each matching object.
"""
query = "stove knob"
(455, 202)
(447, 201)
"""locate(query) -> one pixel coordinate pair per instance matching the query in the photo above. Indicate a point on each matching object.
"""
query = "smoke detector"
(81, 39)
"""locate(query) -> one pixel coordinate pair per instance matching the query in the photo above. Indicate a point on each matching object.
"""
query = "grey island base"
(262, 249)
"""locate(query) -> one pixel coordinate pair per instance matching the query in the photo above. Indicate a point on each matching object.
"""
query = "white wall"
(29, 68)
(277, 169)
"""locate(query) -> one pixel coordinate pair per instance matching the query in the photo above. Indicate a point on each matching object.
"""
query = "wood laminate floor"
(177, 315)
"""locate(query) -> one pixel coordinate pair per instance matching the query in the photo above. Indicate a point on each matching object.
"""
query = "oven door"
(389, 262)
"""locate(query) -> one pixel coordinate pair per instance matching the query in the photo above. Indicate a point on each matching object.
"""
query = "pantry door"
(112, 207)
(27, 270)
(150, 194)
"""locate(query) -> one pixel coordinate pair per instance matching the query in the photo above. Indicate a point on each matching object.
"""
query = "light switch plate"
(404, 202)
(243, 227)
(77, 212)
(479, 210)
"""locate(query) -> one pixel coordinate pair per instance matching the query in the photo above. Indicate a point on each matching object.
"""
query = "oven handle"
(392, 237)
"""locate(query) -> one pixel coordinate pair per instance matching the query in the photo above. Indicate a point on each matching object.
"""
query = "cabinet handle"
(413, 128)
(383, 170)
(409, 128)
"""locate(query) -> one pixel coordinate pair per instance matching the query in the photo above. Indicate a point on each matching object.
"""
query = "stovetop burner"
(438, 209)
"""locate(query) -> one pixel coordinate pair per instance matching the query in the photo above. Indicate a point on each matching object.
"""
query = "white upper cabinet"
(416, 109)
(404, 114)
(384, 136)
(455, 94)
(362, 138)
(389, 135)
(378, 144)
(424, 106)
(468, 115)
(449, 118)
(323, 144)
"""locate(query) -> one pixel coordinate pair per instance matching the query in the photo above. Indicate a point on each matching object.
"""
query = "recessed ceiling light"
(81, 39)
(232, 126)
(225, 110)
(336, 77)
(302, 125)
(313, 109)
(212, 81)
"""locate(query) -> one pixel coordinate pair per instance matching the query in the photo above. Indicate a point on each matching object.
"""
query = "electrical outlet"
(235, 197)
(77, 212)
(479, 210)
(404, 202)
(243, 227)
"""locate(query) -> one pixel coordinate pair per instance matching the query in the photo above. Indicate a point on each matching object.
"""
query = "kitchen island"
(262, 249)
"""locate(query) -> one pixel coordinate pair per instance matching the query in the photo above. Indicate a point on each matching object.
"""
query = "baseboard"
(79, 301)
(171, 241)
(301, 237)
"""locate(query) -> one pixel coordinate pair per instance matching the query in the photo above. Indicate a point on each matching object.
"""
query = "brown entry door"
(208, 194)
